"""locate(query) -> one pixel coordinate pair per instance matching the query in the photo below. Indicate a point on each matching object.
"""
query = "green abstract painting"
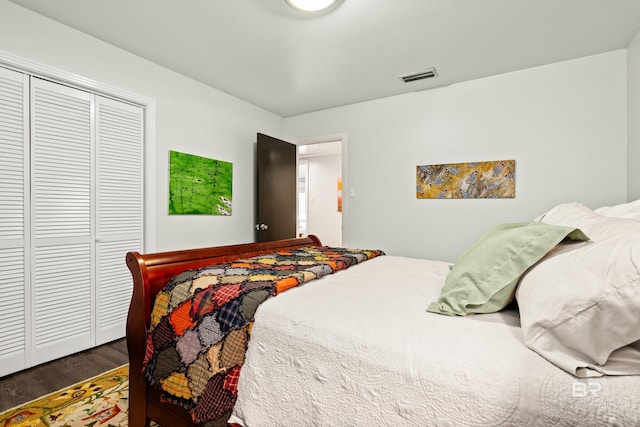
(198, 185)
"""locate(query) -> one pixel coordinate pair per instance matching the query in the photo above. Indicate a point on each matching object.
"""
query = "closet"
(71, 206)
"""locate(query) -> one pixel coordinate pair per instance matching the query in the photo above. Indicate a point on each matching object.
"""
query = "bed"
(384, 342)
(150, 273)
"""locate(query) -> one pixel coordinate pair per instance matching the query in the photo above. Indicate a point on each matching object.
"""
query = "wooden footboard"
(150, 273)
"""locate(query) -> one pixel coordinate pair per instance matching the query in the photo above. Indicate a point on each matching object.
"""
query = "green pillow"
(485, 276)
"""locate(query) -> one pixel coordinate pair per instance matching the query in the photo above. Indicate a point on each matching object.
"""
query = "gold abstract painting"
(474, 180)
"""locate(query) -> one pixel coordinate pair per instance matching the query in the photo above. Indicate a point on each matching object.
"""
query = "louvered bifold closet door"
(119, 144)
(62, 250)
(13, 220)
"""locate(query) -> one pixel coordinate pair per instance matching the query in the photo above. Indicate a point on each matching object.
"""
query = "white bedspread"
(357, 348)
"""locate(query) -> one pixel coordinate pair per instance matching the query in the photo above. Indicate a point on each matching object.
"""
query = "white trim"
(345, 181)
(18, 63)
(301, 162)
(150, 189)
(320, 139)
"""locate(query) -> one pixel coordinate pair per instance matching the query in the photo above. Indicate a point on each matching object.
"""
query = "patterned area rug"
(98, 401)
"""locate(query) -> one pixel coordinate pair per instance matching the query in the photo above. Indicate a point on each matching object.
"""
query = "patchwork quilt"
(201, 322)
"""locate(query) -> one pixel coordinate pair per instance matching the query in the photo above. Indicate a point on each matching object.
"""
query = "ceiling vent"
(420, 75)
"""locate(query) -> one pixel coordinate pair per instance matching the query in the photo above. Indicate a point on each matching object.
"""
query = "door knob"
(261, 226)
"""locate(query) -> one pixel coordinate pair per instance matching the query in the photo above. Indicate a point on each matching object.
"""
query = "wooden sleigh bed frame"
(151, 272)
(481, 363)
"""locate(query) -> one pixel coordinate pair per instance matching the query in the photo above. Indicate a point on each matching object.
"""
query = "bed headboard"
(151, 272)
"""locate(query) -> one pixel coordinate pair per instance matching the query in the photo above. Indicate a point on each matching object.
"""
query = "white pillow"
(571, 212)
(580, 305)
(629, 210)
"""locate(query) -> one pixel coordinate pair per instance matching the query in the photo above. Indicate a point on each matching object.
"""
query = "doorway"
(320, 189)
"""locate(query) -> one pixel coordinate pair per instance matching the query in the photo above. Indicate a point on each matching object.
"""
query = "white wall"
(564, 124)
(633, 104)
(191, 117)
(324, 219)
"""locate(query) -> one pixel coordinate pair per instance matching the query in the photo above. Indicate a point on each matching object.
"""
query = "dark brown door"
(276, 211)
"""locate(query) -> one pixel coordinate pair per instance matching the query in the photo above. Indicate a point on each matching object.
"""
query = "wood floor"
(24, 386)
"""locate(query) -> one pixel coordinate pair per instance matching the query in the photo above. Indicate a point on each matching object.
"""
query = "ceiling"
(291, 63)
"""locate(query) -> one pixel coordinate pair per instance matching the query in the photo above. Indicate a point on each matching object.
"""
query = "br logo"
(585, 389)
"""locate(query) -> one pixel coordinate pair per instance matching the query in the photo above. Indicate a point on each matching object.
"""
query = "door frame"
(299, 163)
(342, 137)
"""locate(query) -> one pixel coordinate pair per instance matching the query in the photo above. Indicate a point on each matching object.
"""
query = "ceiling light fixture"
(310, 5)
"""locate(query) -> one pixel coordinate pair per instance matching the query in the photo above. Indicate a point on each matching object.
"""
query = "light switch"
(352, 191)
